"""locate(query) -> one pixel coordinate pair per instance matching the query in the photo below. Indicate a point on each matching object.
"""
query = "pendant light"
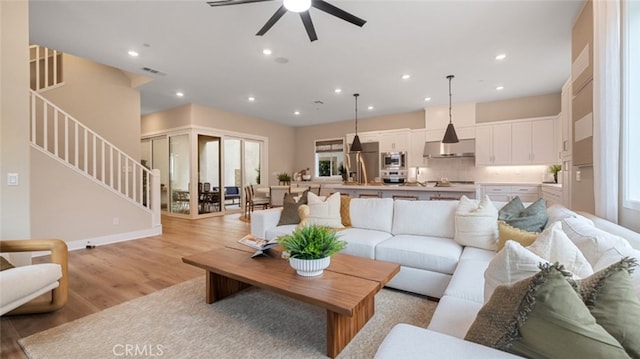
(450, 135)
(356, 146)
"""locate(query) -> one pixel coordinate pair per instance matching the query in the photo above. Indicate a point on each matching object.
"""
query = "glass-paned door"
(232, 173)
(252, 165)
(209, 192)
(179, 167)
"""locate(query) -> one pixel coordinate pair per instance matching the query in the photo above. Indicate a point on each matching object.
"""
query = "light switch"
(13, 179)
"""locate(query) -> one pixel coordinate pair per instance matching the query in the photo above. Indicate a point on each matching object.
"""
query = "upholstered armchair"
(20, 285)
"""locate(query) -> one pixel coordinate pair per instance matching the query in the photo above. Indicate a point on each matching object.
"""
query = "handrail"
(62, 137)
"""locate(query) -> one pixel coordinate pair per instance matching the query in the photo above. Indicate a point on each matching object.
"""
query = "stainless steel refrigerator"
(364, 167)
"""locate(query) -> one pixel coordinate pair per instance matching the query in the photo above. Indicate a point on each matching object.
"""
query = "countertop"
(430, 188)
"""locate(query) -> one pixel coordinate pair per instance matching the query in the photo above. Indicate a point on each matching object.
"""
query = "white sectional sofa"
(419, 235)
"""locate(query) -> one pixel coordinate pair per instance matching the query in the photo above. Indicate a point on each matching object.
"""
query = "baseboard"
(114, 238)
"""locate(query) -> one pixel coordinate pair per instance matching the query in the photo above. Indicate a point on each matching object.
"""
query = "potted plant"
(284, 178)
(554, 169)
(310, 248)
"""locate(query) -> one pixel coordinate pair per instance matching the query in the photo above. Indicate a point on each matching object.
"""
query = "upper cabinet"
(493, 144)
(394, 141)
(522, 142)
(534, 142)
(462, 114)
(417, 138)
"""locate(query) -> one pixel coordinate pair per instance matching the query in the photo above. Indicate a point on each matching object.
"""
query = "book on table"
(259, 244)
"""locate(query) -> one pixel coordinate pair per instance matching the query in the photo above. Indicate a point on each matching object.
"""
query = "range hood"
(436, 149)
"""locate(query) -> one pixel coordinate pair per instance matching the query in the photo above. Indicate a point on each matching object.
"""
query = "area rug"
(255, 323)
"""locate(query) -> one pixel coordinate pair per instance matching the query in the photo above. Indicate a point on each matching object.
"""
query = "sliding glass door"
(209, 192)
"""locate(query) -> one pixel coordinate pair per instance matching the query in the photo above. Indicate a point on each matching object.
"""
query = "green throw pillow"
(289, 213)
(610, 297)
(542, 317)
(5, 264)
(530, 219)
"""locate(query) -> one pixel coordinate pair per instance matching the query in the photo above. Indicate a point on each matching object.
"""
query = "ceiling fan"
(300, 6)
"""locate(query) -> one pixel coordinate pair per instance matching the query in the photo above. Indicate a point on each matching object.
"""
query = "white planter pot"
(309, 267)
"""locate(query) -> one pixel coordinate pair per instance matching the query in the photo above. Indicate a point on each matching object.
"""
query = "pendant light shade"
(356, 146)
(450, 135)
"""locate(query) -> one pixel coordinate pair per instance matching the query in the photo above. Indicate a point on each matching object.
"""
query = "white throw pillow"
(476, 223)
(324, 212)
(554, 245)
(513, 263)
(591, 241)
(371, 213)
(558, 212)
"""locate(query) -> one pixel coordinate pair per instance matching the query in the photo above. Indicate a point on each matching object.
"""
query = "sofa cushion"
(290, 206)
(424, 218)
(371, 213)
(476, 223)
(610, 297)
(591, 241)
(276, 232)
(454, 316)
(530, 219)
(543, 317)
(509, 233)
(24, 280)
(554, 246)
(422, 252)
(408, 341)
(477, 254)
(362, 242)
(558, 212)
(324, 211)
(468, 280)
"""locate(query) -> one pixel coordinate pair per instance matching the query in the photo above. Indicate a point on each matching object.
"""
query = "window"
(631, 105)
(329, 158)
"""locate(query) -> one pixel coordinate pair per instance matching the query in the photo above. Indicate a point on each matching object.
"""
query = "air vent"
(153, 71)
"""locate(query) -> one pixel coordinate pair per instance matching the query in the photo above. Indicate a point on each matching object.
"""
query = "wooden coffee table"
(346, 289)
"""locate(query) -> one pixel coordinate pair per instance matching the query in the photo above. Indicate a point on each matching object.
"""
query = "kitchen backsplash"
(464, 169)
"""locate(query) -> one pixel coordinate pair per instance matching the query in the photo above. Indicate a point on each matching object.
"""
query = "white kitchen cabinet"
(533, 142)
(493, 144)
(462, 115)
(463, 133)
(505, 193)
(566, 125)
(394, 141)
(417, 138)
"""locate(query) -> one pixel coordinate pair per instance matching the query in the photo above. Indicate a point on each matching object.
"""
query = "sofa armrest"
(408, 341)
(261, 221)
(58, 249)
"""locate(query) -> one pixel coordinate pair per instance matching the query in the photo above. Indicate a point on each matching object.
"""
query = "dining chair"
(369, 195)
(405, 197)
(251, 201)
(276, 195)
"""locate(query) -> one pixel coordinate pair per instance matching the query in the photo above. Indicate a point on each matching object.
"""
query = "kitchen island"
(413, 192)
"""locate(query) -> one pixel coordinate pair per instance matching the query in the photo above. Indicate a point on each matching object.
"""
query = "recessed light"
(427, 99)
(337, 90)
(133, 53)
(406, 76)
(501, 56)
(266, 52)
(179, 94)
(500, 88)
(251, 98)
(370, 108)
(297, 113)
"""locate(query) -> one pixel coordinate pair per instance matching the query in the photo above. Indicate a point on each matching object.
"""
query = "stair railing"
(62, 137)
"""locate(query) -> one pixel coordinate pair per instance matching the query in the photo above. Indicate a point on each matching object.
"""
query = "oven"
(393, 160)
(393, 176)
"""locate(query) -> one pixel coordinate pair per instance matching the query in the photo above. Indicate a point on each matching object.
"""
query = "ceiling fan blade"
(308, 25)
(232, 2)
(330, 9)
(276, 16)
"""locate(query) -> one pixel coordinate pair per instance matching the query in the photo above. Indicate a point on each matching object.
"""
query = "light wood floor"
(112, 274)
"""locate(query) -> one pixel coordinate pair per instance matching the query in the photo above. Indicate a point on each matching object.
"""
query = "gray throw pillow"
(289, 213)
(530, 219)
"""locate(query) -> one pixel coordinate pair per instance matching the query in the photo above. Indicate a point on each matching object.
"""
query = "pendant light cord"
(450, 77)
(356, 96)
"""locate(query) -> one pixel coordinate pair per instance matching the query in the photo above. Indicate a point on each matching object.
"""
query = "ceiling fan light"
(297, 5)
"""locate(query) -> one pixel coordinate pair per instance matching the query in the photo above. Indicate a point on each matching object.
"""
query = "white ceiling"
(213, 56)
